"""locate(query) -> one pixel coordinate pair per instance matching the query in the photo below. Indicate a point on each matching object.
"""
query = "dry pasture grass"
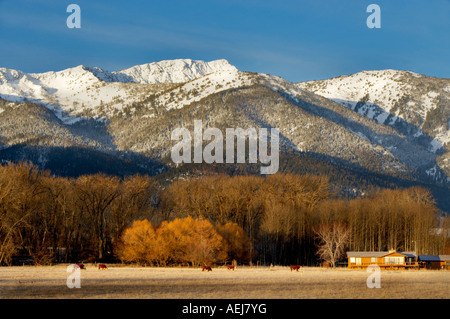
(243, 283)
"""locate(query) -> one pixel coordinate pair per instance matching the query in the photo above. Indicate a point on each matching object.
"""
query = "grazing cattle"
(207, 268)
(294, 267)
(231, 267)
(102, 266)
(81, 266)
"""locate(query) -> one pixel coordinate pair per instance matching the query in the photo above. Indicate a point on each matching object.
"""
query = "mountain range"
(384, 128)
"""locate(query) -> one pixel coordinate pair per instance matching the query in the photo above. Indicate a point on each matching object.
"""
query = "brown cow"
(81, 266)
(102, 266)
(207, 268)
(230, 267)
(295, 267)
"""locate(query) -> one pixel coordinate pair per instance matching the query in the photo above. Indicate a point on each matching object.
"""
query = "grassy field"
(243, 283)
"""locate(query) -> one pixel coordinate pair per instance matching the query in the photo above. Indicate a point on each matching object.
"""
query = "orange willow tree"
(139, 243)
(181, 241)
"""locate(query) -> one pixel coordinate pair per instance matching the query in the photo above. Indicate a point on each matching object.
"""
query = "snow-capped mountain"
(385, 127)
(173, 71)
(394, 98)
(80, 90)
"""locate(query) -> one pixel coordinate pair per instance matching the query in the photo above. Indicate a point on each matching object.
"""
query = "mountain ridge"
(376, 94)
(119, 113)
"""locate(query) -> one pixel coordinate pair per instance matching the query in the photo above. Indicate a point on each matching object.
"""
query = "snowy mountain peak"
(409, 101)
(174, 71)
(9, 75)
(70, 86)
(389, 121)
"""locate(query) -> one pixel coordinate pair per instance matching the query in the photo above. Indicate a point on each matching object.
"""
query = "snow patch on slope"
(200, 88)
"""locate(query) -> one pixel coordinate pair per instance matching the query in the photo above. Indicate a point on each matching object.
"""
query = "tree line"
(272, 219)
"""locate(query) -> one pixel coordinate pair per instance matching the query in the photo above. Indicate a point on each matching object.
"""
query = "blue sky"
(298, 40)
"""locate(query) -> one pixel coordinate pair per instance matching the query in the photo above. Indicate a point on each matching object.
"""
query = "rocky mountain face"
(415, 105)
(379, 128)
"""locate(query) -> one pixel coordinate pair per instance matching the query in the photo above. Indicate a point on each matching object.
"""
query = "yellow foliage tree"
(194, 241)
(206, 245)
(187, 240)
(139, 243)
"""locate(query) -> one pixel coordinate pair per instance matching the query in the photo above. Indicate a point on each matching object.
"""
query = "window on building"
(393, 260)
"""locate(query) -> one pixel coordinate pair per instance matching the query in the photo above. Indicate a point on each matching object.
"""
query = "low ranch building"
(384, 259)
(435, 261)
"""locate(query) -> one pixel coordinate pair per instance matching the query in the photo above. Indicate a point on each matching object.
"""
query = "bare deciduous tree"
(332, 240)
